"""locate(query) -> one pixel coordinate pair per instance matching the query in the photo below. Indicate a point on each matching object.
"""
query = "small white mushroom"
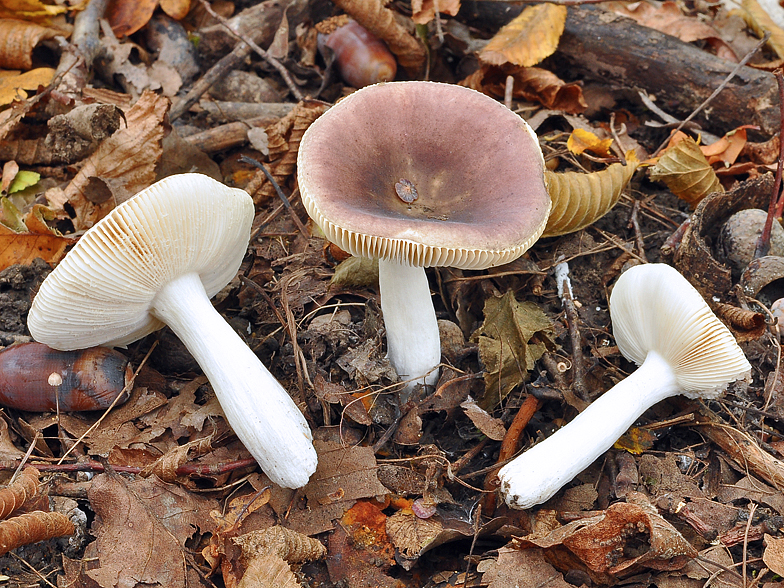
(662, 324)
(422, 174)
(157, 259)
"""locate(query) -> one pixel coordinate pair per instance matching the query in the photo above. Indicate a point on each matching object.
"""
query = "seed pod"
(32, 376)
(362, 59)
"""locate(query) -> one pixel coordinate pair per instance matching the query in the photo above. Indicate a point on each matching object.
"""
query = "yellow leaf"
(529, 38)
(177, 9)
(760, 22)
(13, 87)
(581, 199)
(581, 140)
(29, 9)
(686, 172)
(635, 441)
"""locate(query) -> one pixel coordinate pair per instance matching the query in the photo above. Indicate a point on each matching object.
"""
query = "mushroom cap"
(475, 166)
(654, 308)
(103, 290)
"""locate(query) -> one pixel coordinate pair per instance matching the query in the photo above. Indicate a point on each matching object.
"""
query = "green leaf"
(11, 217)
(24, 179)
(512, 337)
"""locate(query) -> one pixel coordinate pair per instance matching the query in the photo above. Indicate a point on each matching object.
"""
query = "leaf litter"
(173, 499)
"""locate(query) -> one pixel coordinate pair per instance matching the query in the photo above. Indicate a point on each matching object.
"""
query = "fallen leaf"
(23, 179)
(128, 16)
(29, 9)
(760, 22)
(23, 248)
(529, 38)
(686, 172)
(13, 87)
(490, 426)
(726, 149)
(773, 556)
(268, 571)
(581, 140)
(581, 199)
(177, 9)
(141, 530)
(18, 38)
(425, 10)
(410, 534)
(506, 344)
(515, 568)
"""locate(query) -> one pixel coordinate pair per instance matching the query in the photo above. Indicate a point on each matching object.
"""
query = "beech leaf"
(686, 172)
(581, 140)
(529, 38)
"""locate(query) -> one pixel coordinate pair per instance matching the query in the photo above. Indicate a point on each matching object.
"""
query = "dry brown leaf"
(760, 22)
(289, 545)
(13, 86)
(726, 149)
(141, 528)
(581, 140)
(515, 568)
(125, 163)
(128, 16)
(177, 9)
(17, 41)
(410, 534)
(529, 38)
(490, 426)
(23, 248)
(668, 18)
(425, 10)
(268, 571)
(530, 83)
(581, 199)
(773, 556)
(686, 172)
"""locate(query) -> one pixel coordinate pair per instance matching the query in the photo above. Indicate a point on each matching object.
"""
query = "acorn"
(36, 378)
(362, 59)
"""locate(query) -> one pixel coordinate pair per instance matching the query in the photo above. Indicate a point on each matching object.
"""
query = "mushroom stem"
(413, 342)
(540, 472)
(259, 410)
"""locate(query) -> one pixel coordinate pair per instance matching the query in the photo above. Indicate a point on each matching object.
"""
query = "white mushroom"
(662, 324)
(422, 174)
(157, 259)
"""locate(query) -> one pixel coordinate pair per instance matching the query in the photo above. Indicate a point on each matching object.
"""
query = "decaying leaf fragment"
(686, 171)
(581, 199)
(24, 488)
(17, 41)
(529, 38)
(411, 534)
(512, 337)
(425, 10)
(600, 542)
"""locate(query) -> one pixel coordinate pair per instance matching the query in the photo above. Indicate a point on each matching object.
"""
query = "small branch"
(776, 201)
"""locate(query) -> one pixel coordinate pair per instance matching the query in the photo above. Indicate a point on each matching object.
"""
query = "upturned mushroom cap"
(475, 168)
(654, 308)
(101, 293)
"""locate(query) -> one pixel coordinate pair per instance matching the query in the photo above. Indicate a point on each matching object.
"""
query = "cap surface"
(654, 308)
(101, 293)
(474, 167)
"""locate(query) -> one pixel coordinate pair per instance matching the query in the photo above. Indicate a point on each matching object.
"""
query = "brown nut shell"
(361, 57)
(36, 378)
(763, 279)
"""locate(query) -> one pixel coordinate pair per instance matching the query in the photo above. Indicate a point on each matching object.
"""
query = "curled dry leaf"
(24, 488)
(268, 571)
(530, 83)
(177, 9)
(686, 172)
(128, 16)
(30, 9)
(17, 41)
(490, 426)
(410, 534)
(529, 38)
(759, 21)
(31, 528)
(425, 10)
(581, 199)
(165, 467)
(287, 544)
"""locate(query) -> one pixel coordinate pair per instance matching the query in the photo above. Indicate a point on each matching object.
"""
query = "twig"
(509, 92)
(284, 73)
(752, 509)
(776, 201)
(635, 222)
(716, 92)
(281, 195)
(572, 320)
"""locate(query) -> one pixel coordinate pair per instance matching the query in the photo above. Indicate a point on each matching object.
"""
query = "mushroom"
(422, 174)
(156, 260)
(662, 324)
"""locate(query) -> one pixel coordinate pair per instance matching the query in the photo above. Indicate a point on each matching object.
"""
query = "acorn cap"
(424, 174)
(101, 293)
(654, 308)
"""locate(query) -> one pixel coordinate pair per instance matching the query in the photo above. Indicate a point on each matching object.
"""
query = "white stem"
(540, 472)
(260, 411)
(413, 342)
